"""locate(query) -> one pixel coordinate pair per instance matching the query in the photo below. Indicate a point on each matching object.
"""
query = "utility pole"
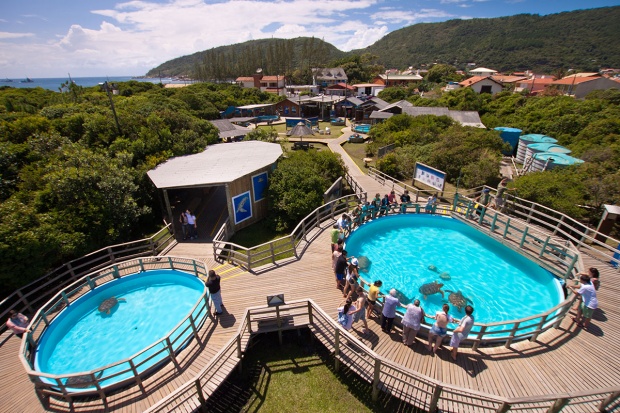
(107, 89)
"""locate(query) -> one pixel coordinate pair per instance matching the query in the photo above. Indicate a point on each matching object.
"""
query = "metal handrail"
(169, 345)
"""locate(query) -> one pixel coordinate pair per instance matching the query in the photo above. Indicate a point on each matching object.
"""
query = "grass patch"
(281, 129)
(261, 233)
(256, 234)
(357, 152)
(296, 377)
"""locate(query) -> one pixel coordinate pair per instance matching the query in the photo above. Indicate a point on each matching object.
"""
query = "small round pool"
(148, 306)
(407, 252)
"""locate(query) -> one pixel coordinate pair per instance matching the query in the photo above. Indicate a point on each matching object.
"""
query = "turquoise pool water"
(501, 284)
(362, 128)
(82, 338)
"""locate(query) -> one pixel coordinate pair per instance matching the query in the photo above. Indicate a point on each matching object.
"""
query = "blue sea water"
(53, 83)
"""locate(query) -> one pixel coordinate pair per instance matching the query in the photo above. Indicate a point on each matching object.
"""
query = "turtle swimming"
(109, 303)
(364, 263)
(431, 288)
(445, 276)
(433, 268)
(79, 382)
(458, 300)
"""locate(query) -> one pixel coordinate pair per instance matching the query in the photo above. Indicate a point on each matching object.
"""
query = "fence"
(384, 375)
(124, 371)
(559, 226)
(285, 247)
(30, 297)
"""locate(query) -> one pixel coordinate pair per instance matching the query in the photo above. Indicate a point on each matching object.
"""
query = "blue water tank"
(525, 140)
(511, 136)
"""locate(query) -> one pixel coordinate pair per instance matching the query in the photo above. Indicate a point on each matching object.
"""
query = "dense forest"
(584, 40)
(72, 180)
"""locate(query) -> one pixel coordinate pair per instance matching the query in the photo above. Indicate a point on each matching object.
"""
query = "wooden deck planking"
(562, 360)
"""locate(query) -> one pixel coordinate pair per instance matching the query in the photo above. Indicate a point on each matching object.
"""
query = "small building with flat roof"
(225, 181)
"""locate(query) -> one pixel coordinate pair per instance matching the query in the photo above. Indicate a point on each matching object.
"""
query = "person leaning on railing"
(405, 201)
(17, 323)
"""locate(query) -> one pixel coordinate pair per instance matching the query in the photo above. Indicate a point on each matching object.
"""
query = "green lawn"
(357, 152)
(281, 129)
(260, 233)
(296, 377)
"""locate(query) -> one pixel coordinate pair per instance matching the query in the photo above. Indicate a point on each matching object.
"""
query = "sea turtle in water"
(445, 276)
(433, 268)
(458, 300)
(364, 263)
(430, 289)
(109, 303)
(80, 382)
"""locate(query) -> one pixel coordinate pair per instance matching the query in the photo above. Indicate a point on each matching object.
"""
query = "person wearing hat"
(499, 196)
(351, 277)
(482, 201)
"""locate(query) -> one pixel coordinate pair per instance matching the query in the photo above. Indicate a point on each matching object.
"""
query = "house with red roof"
(272, 84)
(580, 84)
(340, 89)
(483, 84)
(534, 85)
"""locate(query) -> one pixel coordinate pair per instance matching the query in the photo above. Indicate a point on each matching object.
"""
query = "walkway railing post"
(337, 349)
(432, 407)
(503, 408)
(558, 405)
(375, 380)
(201, 396)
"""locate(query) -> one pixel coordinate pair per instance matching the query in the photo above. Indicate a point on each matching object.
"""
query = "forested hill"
(585, 40)
(274, 56)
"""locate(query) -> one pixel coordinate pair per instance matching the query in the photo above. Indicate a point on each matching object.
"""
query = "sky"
(48, 38)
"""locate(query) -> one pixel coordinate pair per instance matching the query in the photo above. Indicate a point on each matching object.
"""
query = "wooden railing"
(383, 374)
(30, 297)
(559, 225)
(535, 215)
(123, 371)
(292, 245)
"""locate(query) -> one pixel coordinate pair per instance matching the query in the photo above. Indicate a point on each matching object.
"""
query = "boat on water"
(27, 80)
(7, 80)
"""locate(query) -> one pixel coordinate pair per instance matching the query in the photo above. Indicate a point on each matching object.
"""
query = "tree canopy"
(71, 182)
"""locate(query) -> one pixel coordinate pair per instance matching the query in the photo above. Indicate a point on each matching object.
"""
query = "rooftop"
(218, 164)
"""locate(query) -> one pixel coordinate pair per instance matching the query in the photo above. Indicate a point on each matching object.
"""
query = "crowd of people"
(359, 305)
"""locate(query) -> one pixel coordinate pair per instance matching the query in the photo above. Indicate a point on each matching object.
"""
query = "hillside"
(274, 56)
(585, 40)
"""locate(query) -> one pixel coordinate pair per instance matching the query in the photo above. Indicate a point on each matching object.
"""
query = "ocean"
(53, 83)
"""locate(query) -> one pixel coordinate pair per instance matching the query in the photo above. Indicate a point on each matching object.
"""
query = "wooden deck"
(567, 359)
(562, 360)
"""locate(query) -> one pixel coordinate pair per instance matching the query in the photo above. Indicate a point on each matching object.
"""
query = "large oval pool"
(149, 305)
(408, 251)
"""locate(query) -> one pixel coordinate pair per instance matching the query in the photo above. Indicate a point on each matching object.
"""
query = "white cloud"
(365, 36)
(136, 36)
(395, 16)
(7, 35)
